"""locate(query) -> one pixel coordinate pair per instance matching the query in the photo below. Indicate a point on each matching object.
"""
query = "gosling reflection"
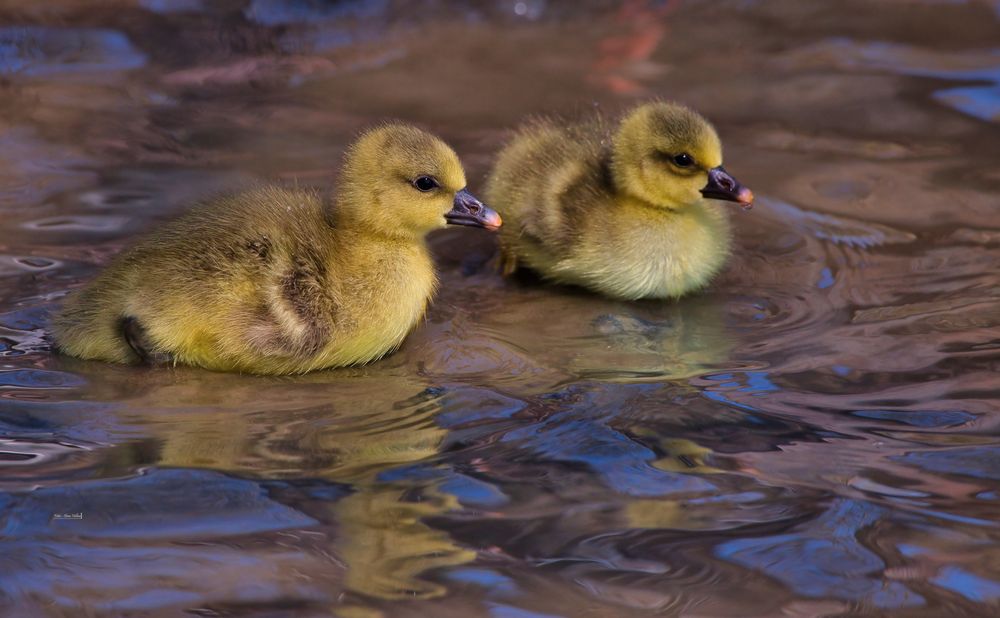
(382, 537)
(386, 545)
(678, 455)
(365, 430)
(617, 341)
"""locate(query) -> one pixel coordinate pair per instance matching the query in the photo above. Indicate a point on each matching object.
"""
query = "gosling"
(624, 211)
(281, 281)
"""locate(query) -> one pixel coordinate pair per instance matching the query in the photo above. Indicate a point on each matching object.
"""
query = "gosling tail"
(138, 340)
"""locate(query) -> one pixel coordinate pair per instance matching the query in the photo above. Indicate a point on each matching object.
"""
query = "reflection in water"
(40, 51)
(625, 58)
(840, 565)
(387, 546)
(382, 450)
(813, 435)
(350, 440)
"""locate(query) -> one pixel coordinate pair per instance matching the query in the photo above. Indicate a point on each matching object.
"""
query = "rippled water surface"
(815, 435)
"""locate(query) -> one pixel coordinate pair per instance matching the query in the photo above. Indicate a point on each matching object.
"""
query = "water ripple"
(826, 559)
(38, 379)
(157, 505)
(40, 51)
(839, 229)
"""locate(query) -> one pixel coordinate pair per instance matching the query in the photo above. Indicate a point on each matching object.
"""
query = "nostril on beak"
(475, 209)
(727, 183)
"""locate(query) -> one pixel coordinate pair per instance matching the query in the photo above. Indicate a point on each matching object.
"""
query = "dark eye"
(684, 160)
(425, 183)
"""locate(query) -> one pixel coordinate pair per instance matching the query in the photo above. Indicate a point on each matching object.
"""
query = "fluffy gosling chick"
(625, 211)
(277, 281)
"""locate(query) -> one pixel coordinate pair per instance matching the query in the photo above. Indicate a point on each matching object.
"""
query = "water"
(816, 435)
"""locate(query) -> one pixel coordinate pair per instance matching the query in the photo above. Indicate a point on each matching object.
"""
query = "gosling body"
(276, 280)
(606, 208)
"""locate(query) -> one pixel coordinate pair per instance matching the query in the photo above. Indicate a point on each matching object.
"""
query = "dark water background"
(816, 435)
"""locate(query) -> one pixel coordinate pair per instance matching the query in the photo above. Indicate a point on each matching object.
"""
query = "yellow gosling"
(626, 211)
(278, 281)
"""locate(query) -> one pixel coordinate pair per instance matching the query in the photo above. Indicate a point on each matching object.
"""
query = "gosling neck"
(369, 218)
(621, 189)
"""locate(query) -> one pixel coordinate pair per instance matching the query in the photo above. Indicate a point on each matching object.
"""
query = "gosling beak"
(467, 210)
(722, 186)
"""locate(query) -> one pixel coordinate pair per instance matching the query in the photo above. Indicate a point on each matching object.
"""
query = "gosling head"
(669, 156)
(401, 181)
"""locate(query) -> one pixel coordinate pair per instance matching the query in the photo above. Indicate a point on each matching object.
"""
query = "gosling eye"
(425, 183)
(684, 160)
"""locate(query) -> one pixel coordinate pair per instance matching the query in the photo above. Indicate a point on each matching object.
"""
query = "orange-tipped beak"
(467, 210)
(722, 186)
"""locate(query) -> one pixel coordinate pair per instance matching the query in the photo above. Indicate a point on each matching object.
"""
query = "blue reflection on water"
(39, 378)
(278, 12)
(172, 6)
(723, 398)
(71, 421)
(983, 102)
(980, 101)
(312, 489)
(759, 382)
(55, 539)
(24, 318)
(920, 418)
(909, 550)
(473, 492)
(489, 579)
(747, 381)
(977, 461)
(469, 405)
(160, 504)
(953, 517)
(153, 599)
(623, 463)
(63, 574)
(42, 51)
(841, 370)
(825, 279)
(507, 611)
(755, 383)
(469, 491)
(825, 559)
(970, 586)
